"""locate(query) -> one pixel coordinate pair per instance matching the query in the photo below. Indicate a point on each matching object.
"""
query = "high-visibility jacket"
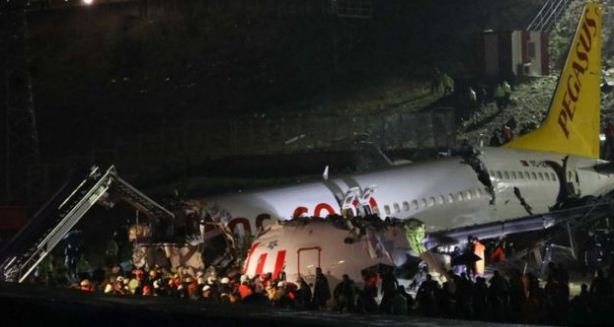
(498, 255)
(499, 92)
(479, 249)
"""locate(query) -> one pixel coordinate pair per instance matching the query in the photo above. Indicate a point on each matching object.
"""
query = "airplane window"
(506, 175)
(547, 176)
(520, 176)
(469, 195)
(450, 198)
(553, 177)
(397, 209)
(533, 175)
(423, 203)
(440, 200)
(478, 193)
(499, 175)
(414, 204)
(387, 210)
(459, 196)
(513, 174)
(527, 175)
(405, 206)
(541, 176)
(431, 201)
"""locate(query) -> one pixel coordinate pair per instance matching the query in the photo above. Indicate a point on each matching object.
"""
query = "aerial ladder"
(22, 254)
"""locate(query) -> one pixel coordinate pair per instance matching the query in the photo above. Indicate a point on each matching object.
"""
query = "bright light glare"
(88, 2)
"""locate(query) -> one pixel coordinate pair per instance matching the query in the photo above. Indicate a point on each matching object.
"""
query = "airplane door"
(571, 177)
(308, 261)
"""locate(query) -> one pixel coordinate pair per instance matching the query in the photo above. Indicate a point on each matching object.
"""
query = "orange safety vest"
(479, 249)
(498, 255)
(244, 291)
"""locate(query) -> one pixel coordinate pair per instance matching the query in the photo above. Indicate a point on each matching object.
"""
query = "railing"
(548, 15)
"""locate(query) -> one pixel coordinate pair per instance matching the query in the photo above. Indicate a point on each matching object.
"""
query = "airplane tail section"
(573, 123)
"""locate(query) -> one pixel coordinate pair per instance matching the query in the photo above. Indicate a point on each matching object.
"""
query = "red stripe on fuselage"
(260, 266)
(279, 263)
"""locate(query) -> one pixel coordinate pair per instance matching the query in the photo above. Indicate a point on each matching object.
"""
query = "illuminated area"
(88, 2)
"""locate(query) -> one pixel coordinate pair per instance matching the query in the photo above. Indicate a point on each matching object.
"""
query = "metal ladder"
(18, 265)
(548, 15)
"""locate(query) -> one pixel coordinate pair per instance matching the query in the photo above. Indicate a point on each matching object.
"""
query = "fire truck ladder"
(548, 15)
(36, 240)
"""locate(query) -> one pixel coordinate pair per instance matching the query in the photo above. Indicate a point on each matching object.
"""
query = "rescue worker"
(71, 255)
(497, 293)
(499, 95)
(479, 250)
(427, 296)
(507, 133)
(108, 288)
(281, 296)
(134, 285)
(85, 286)
(244, 289)
(206, 295)
(389, 290)
(118, 286)
(304, 294)
(147, 291)
(321, 290)
(192, 288)
(482, 95)
(345, 295)
(225, 289)
(468, 258)
(498, 254)
(399, 303)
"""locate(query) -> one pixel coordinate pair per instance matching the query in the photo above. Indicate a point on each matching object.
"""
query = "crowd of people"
(517, 297)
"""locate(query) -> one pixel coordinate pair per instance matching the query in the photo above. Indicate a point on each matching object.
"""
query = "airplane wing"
(574, 216)
(604, 168)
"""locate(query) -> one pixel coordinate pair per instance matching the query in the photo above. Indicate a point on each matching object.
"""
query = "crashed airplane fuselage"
(539, 172)
(494, 184)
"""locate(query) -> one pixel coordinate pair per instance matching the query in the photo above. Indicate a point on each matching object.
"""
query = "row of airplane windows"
(431, 201)
(547, 176)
